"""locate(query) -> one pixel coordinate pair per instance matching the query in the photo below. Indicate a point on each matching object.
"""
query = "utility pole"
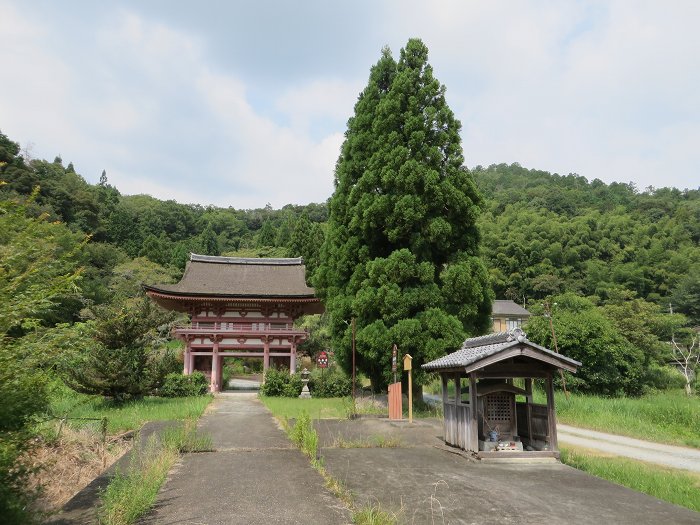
(548, 310)
(353, 360)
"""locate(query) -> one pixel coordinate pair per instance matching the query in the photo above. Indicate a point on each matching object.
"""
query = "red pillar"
(293, 358)
(186, 370)
(214, 386)
(266, 354)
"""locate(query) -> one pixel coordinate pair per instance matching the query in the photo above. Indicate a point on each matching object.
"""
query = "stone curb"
(81, 509)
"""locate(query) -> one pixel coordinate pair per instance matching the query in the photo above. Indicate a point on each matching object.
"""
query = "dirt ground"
(67, 465)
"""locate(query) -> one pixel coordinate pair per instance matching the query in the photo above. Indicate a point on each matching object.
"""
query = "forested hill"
(545, 234)
(542, 233)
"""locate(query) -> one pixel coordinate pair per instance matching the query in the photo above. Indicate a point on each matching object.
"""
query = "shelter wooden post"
(528, 389)
(474, 414)
(551, 414)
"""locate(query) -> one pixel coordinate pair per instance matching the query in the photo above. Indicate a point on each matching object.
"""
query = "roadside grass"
(131, 494)
(130, 415)
(664, 417)
(672, 485)
(319, 408)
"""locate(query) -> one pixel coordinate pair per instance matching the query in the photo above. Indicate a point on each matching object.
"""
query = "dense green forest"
(631, 255)
(542, 233)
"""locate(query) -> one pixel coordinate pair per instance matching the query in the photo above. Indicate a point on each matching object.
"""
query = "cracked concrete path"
(254, 476)
(666, 455)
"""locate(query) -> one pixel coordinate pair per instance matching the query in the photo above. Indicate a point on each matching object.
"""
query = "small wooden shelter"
(481, 402)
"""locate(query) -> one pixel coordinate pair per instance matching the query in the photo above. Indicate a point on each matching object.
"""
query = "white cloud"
(605, 89)
(328, 99)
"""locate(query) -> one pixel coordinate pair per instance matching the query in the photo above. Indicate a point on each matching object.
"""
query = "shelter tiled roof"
(207, 275)
(507, 307)
(477, 348)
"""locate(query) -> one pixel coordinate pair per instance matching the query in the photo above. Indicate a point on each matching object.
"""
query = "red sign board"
(322, 360)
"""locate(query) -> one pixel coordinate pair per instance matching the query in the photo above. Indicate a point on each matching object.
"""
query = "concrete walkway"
(255, 476)
(666, 455)
(423, 481)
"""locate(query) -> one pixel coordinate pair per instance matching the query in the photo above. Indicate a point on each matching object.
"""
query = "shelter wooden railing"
(456, 420)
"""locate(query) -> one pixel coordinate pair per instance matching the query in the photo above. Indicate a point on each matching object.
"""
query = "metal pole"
(353, 359)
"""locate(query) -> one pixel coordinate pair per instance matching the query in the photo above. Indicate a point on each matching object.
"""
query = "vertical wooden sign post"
(407, 366)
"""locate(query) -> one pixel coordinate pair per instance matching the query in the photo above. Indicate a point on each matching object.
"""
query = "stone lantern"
(305, 393)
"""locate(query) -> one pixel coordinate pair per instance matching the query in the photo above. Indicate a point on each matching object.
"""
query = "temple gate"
(238, 307)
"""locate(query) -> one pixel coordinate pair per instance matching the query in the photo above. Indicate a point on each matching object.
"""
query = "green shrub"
(179, 385)
(330, 383)
(304, 435)
(280, 383)
(232, 367)
(664, 377)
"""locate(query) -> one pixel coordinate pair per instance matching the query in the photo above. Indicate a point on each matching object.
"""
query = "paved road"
(255, 476)
(427, 485)
(667, 455)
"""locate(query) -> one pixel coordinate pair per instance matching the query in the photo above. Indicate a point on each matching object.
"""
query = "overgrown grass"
(132, 493)
(126, 416)
(129, 495)
(304, 436)
(374, 515)
(318, 408)
(668, 484)
(665, 417)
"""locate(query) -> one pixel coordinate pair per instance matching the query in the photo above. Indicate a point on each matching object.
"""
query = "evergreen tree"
(120, 352)
(266, 235)
(305, 242)
(155, 249)
(402, 242)
(209, 242)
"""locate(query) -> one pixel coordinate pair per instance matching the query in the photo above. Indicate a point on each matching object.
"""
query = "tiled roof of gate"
(240, 277)
(478, 348)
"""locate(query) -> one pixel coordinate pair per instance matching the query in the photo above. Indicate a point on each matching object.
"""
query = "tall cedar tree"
(401, 247)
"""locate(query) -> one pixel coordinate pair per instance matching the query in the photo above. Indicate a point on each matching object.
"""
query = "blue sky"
(244, 103)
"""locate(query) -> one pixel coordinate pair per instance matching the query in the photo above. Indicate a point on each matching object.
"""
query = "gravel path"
(667, 455)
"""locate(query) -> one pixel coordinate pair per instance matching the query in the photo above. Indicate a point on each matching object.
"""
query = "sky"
(244, 103)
